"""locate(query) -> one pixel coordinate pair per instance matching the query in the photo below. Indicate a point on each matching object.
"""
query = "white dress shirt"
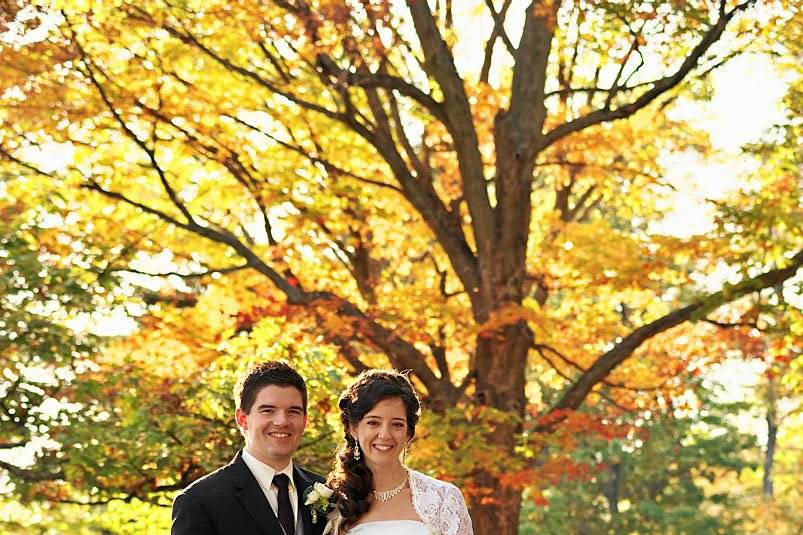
(264, 476)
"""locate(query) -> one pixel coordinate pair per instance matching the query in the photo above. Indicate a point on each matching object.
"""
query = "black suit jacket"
(229, 501)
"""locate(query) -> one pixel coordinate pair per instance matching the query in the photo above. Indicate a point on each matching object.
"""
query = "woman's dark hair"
(352, 480)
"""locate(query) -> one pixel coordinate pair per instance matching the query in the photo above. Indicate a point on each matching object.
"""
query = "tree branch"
(499, 24)
(527, 112)
(150, 152)
(190, 40)
(606, 363)
(12, 445)
(460, 124)
(498, 32)
(369, 80)
(659, 87)
(402, 354)
(27, 165)
(30, 475)
(328, 165)
(724, 325)
(188, 276)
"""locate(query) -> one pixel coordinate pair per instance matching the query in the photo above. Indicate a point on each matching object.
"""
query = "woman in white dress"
(377, 494)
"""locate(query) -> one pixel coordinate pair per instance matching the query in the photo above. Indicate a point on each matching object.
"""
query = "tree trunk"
(500, 364)
(611, 489)
(772, 434)
(500, 514)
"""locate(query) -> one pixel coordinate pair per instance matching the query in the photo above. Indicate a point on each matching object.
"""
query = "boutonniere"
(317, 498)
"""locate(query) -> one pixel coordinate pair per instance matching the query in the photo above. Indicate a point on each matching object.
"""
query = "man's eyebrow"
(269, 406)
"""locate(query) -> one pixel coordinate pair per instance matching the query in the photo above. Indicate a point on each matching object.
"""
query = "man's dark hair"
(268, 373)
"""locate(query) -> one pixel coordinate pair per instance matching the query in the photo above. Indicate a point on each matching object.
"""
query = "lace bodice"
(439, 504)
(390, 527)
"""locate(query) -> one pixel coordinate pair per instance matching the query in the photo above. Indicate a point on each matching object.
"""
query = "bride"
(376, 493)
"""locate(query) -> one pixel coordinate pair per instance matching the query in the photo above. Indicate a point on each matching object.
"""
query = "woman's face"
(383, 433)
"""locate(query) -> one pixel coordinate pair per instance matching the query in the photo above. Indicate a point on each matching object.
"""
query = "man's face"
(274, 425)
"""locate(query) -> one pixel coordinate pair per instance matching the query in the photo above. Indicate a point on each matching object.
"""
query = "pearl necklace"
(387, 495)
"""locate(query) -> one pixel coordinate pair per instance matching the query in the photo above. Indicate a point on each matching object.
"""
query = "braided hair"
(351, 479)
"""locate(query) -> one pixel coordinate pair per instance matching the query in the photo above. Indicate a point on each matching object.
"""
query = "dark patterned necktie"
(285, 512)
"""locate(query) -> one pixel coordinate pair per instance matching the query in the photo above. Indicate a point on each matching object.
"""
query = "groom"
(260, 491)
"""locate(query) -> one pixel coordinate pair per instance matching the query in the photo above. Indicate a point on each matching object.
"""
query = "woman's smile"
(383, 432)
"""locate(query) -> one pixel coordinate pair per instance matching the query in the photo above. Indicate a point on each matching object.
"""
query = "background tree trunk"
(611, 489)
(772, 435)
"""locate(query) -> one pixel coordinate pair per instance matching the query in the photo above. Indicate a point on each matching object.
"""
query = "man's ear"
(241, 417)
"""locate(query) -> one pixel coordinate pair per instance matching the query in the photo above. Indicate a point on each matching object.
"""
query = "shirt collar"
(264, 473)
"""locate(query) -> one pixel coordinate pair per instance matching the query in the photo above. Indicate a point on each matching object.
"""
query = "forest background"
(474, 191)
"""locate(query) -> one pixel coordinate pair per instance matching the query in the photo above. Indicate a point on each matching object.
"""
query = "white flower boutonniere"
(317, 498)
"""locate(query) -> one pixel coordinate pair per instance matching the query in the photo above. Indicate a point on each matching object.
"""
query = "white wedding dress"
(439, 504)
(390, 527)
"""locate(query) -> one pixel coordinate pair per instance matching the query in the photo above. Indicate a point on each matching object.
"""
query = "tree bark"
(611, 489)
(772, 435)
(500, 364)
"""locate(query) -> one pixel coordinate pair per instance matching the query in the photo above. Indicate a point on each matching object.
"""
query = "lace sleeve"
(440, 505)
(453, 514)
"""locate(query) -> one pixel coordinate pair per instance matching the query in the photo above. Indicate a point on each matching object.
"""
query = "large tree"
(468, 195)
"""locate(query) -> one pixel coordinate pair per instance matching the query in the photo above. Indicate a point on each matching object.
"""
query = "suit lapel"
(302, 483)
(250, 495)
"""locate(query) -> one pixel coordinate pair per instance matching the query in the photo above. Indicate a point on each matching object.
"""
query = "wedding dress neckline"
(385, 521)
(390, 527)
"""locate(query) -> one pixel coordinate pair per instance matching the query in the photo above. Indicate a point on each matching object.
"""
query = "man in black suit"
(260, 491)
